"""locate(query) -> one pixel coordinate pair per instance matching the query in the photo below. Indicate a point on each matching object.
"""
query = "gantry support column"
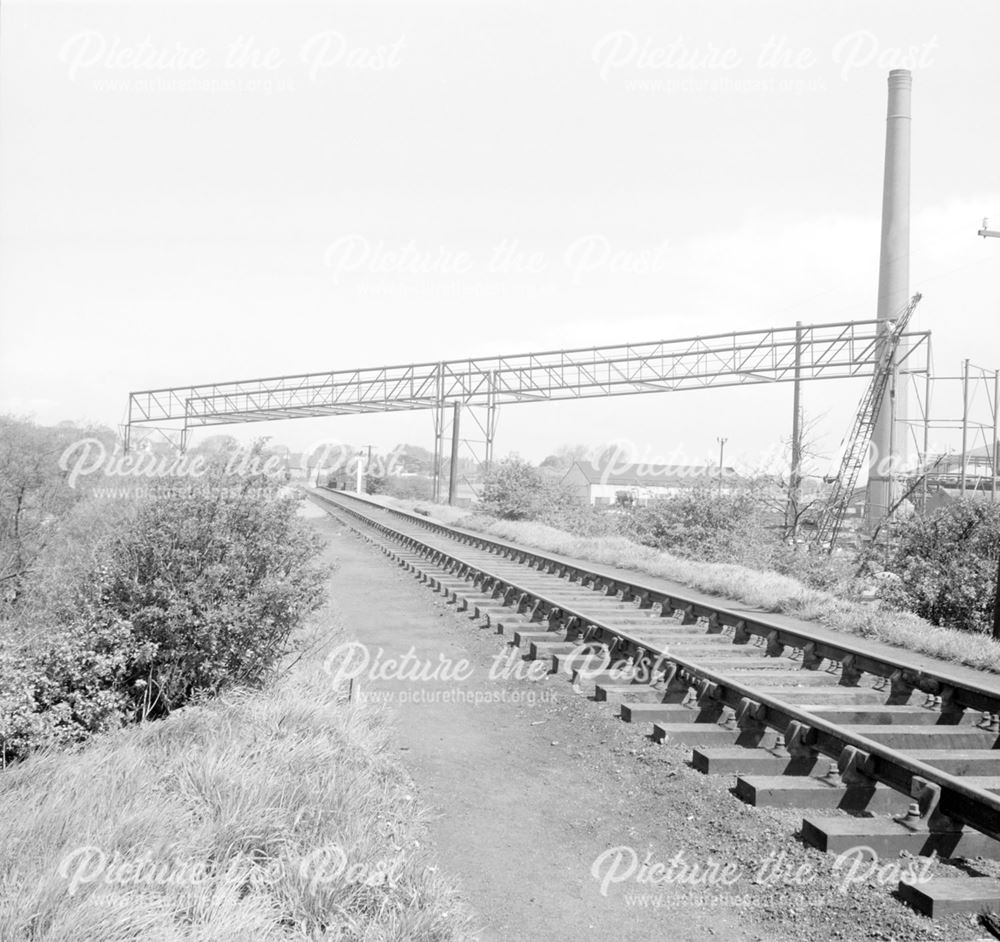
(453, 464)
(795, 475)
(439, 406)
(491, 421)
(438, 433)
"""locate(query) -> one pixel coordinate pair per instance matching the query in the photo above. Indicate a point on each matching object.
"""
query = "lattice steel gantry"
(838, 350)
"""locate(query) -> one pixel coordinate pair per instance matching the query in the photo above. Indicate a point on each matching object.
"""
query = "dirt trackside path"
(532, 783)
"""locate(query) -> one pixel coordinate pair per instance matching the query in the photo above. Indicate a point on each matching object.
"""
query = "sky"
(197, 192)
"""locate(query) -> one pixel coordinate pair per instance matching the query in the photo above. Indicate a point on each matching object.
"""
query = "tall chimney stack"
(893, 286)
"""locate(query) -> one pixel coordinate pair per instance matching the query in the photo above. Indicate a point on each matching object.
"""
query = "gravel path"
(534, 787)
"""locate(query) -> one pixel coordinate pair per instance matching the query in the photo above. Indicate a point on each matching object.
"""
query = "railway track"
(879, 750)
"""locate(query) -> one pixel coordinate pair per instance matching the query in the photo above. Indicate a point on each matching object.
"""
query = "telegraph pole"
(363, 476)
(987, 233)
(722, 448)
(965, 423)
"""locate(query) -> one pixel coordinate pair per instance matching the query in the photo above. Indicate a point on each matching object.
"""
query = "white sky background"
(173, 223)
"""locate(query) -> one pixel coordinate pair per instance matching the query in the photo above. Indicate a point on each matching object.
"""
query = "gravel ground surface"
(546, 805)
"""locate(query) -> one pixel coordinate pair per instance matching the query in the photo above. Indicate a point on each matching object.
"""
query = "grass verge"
(758, 589)
(262, 815)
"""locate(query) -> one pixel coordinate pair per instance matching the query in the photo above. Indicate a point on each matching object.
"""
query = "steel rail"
(903, 676)
(938, 793)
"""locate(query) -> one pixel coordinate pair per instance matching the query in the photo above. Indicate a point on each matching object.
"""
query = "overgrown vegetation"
(516, 490)
(133, 607)
(34, 496)
(267, 815)
(698, 522)
(740, 525)
(268, 807)
(934, 585)
(415, 487)
(943, 566)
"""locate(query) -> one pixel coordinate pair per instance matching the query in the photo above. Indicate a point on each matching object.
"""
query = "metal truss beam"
(826, 351)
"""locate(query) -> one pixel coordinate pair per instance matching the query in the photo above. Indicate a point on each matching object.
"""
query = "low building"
(642, 483)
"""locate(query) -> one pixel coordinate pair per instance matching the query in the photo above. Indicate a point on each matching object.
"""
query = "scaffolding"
(958, 452)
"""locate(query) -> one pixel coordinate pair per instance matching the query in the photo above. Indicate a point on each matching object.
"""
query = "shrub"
(183, 594)
(945, 564)
(818, 570)
(216, 579)
(374, 484)
(516, 490)
(65, 690)
(698, 522)
(557, 506)
(511, 490)
(408, 487)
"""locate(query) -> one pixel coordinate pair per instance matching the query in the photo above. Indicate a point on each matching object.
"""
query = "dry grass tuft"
(253, 792)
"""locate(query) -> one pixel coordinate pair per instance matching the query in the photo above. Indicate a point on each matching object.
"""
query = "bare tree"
(793, 500)
(34, 495)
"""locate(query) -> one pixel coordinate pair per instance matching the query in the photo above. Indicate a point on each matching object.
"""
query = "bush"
(65, 690)
(176, 596)
(511, 490)
(409, 487)
(570, 513)
(216, 581)
(818, 570)
(945, 565)
(516, 490)
(698, 522)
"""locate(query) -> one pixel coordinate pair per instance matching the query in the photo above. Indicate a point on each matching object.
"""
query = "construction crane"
(860, 436)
